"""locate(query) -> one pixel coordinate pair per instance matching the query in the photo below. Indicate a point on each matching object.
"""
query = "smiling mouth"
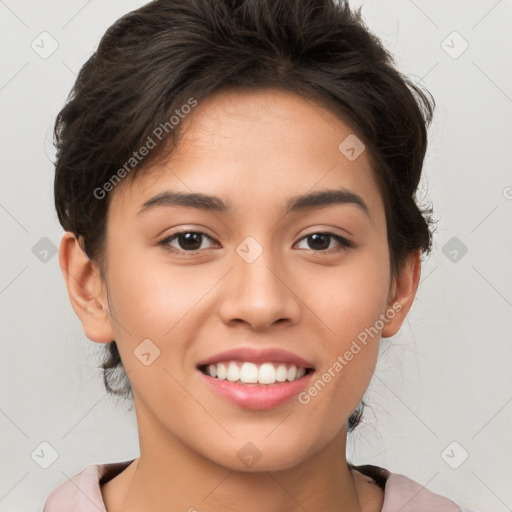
(251, 373)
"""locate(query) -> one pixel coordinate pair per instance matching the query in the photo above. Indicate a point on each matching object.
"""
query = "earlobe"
(402, 293)
(86, 290)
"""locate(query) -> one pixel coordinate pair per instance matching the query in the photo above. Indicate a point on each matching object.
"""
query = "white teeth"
(281, 373)
(221, 371)
(233, 372)
(291, 374)
(250, 373)
(267, 374)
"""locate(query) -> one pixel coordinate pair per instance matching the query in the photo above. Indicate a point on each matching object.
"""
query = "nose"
(259, 294)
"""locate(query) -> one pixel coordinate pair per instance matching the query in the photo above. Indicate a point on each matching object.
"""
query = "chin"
(249, 458)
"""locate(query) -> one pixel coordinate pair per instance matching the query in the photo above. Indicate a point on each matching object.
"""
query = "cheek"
(350, 297)
(151, 301)
(150, 296)
(349, 302)
(160, 302)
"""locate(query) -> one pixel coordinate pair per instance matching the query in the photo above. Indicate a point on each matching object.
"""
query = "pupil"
(316, 237)
(188, 238)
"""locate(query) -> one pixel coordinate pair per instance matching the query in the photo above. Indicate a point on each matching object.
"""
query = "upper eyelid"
(183, 231)
(167, 239)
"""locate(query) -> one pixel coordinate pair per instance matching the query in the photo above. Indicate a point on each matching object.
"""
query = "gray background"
(446, 377)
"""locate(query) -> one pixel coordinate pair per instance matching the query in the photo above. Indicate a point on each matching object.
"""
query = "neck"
(169, 477)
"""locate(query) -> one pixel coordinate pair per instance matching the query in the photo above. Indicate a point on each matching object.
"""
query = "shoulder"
(402, 493)
(83, 491)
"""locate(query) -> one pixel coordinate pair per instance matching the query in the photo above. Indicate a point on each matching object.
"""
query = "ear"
(86, 290)
(402, 292)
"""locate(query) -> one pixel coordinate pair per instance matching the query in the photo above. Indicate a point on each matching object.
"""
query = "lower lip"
(257, 396)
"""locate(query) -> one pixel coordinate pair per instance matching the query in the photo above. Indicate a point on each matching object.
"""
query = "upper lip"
(257, 355)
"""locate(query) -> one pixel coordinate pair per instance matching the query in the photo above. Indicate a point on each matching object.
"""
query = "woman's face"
(260, 281)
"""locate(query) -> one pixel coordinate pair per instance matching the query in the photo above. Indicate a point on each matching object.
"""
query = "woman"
(237, 184)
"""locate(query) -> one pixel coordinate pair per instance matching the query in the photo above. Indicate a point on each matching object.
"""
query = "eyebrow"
(207, 202)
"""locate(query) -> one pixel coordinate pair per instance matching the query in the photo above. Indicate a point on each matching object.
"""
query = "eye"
(187, 241)
(192, 242)
(321, 242)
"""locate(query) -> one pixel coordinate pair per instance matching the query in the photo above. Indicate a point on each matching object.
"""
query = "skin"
(254, 149)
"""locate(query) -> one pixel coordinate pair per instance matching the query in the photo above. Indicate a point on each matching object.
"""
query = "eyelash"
(345, 244)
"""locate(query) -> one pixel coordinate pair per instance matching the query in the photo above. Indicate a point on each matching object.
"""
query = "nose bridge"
(257, 292)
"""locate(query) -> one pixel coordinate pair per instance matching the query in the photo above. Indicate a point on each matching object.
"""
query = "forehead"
(255, 146)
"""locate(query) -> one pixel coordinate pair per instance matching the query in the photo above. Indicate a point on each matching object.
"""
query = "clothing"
(82, 493)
